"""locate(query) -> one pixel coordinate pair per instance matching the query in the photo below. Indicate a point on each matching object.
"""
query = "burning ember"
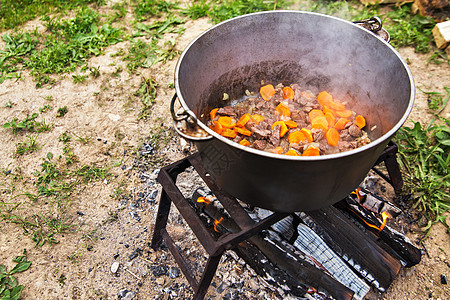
(206, 200)
(385, 216)
(216, 223)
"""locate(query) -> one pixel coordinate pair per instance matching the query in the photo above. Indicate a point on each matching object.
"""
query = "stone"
(160, 280)
(129, 296)
(115, 267)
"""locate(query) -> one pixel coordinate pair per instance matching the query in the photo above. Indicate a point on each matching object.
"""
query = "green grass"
(425, 157)
(66, 45)
(29, 145)
(14, 13)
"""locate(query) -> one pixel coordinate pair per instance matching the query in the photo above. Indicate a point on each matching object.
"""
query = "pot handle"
(375, 25)
(186, 124)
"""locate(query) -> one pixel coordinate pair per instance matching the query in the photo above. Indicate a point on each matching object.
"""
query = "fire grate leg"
(389, 157)
(215, 248)
(161, 219)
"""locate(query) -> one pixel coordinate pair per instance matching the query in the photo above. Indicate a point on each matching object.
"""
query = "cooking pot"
(317, 51)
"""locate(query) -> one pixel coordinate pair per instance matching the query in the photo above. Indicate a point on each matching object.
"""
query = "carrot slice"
(320, 123)
(216, 127)
(315, 113)
(344, 113)
(307, 134)
(340, 124)
(311, 151)
(360, 121)
(227, 122)
(336, 105)
(324, 98)
(291, 124)
(267, 92)
(229, 133)
(288, 93)
(283, 110)
(283, 128)
(332, 136)
(244, 142)
(330, 118)
(327, 109)
(296, 137)
(292, 152)
(277, 150)
(243, 131)
(256, 118)
(213, 113)
(243, 120)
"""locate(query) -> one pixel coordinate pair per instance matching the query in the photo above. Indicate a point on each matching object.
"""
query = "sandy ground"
(109, 229)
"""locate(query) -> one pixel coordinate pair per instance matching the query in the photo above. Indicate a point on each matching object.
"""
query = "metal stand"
(215, 248)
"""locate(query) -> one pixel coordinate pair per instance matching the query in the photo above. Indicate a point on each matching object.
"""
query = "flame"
(385, 216)
(205, 200)
(357, 193)
(217, 222)
(311, 290)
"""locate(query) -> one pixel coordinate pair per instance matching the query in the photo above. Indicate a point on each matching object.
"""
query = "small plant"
(147, 94)
(28, 123)
(28, 146)
(9, 288)
(437, 101)
(45, 108)
(61, 112)
(9, 104)
(78, 78)
(425, 156)
(95, 72)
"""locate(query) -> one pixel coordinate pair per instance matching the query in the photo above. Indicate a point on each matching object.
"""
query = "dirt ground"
(116, 229)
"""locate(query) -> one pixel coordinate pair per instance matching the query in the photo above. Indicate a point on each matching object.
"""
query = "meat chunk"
(259, 144)
(260, 133)
(226, 111)
(354, 131)
(275, 137)
(318, 134)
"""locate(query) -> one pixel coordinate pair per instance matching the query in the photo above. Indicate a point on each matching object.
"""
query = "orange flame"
(205, 200)
(385, 216)
(356, 192)
(217, 222)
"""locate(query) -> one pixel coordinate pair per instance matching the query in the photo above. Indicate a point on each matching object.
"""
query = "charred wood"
(399, 243)
(348, 241)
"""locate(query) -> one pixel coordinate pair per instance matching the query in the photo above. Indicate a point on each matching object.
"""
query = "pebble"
(160, 280)
(115, 256)
(153, 194)
(122, 293)
(129, 296)
(115, 267)
(158, 270)
(174, 272)
(443, 279)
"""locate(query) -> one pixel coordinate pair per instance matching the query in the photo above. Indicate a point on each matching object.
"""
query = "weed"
(90, 173)
(95, 72)
(146, 9)
(197, 9)
(9, 288)
(425, 156)
(65, 137)
(226, 9)
(81, 139)
(28, 146)
(28, 123)
(62, 278)
(49, 98)
(113, 216)
(74, 258)
(45, 108)
(61, 112)
(9, 104)
(78, 78)
(147, 93)
(407, 29)
(437, 101)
